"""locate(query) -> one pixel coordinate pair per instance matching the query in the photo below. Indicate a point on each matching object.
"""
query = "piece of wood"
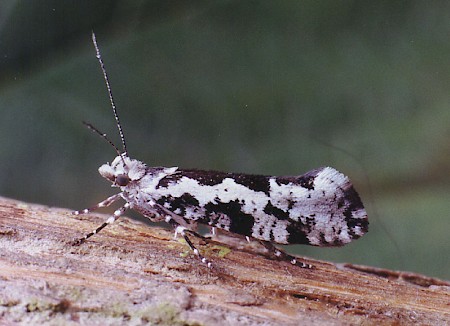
(131, 273)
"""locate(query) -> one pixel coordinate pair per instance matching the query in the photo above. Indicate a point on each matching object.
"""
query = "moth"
(319, 208)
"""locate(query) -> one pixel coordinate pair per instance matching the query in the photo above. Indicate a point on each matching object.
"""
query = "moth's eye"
(122, 180)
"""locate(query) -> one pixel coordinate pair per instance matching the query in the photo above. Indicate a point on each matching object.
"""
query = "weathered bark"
(132, 273)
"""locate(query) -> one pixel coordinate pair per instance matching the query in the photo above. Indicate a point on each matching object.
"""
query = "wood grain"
(131, 273)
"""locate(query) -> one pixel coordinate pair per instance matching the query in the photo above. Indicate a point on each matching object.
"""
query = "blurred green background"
(259, 87)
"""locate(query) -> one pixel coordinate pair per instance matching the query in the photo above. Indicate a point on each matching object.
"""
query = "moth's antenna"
(111, 99)
(103, 135)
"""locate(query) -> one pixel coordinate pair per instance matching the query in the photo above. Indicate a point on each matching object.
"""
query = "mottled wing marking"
(319, 208)
(213, 178)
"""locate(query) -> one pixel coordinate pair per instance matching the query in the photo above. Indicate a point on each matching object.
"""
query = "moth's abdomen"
(319, 208)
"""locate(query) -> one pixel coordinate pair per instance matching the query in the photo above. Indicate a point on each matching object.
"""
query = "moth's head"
(122, 170)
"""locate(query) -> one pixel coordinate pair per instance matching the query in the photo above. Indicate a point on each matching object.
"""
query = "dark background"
(258, 87)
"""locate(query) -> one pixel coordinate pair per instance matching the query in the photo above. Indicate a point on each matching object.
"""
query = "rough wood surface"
(134, 274)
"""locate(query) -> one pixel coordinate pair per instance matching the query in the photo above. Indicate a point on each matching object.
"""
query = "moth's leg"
(119, 212)
(182, 230)
(108, 201)
(213, 234)
(281, 255)
(206, 239)
(189, 242)
(170, 218)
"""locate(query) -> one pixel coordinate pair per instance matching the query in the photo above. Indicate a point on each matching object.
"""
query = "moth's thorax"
(141, 192)
(133, 177)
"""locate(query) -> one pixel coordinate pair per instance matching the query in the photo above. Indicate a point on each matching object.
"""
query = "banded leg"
(182, 230)
(119, 212)
(169, 217)
(281, 255)
(108, 201)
